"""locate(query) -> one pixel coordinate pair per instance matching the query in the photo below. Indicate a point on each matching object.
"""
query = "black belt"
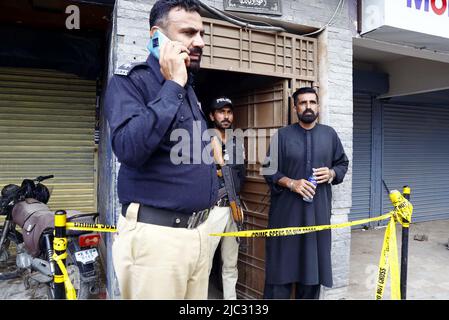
(167, 218)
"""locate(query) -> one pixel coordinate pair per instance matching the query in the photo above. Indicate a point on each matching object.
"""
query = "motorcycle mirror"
(42, 178)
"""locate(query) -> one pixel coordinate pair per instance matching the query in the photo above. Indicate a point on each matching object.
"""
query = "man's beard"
(195, 65)
(308, 116)
(219, 125)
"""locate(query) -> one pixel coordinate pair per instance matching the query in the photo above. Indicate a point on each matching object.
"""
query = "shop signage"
(439, 7)
(427, 17)
(271, 7)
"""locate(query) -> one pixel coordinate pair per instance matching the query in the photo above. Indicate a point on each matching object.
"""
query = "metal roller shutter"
(361, 172)
(47, 124)
(416, 153)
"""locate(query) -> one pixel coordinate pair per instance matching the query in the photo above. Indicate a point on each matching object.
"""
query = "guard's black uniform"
(233, 153)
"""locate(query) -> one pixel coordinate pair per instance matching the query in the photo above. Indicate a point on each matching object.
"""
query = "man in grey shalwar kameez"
(303, 149)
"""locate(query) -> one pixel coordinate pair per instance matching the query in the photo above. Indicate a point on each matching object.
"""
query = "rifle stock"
(237, 215)
(234, 201)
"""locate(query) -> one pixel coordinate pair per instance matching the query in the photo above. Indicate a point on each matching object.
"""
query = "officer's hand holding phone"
(173, 57)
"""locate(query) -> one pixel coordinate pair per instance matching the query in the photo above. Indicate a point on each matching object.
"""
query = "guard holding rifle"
(229, 155)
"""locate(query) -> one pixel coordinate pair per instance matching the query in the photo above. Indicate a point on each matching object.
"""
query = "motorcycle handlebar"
(42, 178)
(4, 201)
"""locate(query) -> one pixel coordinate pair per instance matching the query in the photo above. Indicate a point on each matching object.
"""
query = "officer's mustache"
(195, 63)
(196, 51)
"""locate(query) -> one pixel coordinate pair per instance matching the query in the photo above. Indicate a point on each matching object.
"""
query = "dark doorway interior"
(34, 34)
(210, 84)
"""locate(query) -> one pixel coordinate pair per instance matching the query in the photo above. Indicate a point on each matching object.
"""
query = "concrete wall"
(415, 75)
(108, 204)
(335, 69)
(335, 64)
(133, 30)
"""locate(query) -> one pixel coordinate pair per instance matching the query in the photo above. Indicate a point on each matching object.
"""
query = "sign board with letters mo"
(417, 23)
(272, 7)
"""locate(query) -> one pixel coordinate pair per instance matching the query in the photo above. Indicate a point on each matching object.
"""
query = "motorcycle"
(26, 206)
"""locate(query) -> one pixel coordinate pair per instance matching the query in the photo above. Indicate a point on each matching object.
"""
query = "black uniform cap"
(221, 103)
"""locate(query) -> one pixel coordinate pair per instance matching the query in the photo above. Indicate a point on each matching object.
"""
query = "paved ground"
(25, 288)
(428, 273)
(14, 289)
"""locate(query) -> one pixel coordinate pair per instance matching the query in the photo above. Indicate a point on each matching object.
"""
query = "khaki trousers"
(221, 221)
(156, 262)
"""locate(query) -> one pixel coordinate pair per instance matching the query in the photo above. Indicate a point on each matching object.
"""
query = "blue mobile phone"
(156, 42)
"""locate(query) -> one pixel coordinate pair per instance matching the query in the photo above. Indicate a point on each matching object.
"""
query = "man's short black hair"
(161, 9)
(302, 91)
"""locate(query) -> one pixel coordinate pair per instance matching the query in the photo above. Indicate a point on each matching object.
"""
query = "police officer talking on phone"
(161, 249)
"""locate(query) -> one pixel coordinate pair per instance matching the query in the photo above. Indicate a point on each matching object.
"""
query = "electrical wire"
(247, 20)
(340, 10)
(239, 21)
(242, 22)
(329, 23)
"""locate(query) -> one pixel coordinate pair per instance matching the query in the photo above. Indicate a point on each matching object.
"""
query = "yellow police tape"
(402, 213)
(61, 245)
(69, 288)
(90, 227)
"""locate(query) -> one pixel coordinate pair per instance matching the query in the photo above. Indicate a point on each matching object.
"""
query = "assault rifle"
(234, 201)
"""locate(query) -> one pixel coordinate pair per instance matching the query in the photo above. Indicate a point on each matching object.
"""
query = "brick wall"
(338, 68)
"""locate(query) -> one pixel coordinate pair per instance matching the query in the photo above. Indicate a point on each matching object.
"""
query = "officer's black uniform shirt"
(143, 109)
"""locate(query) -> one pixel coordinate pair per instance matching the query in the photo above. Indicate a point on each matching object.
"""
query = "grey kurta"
(302, 258)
